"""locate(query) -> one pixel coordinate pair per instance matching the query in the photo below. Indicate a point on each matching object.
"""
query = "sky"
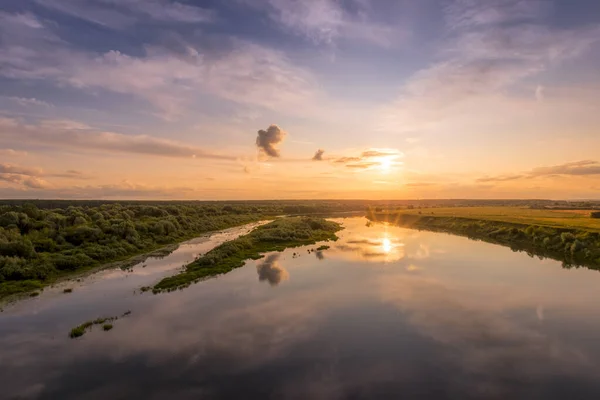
(298, 99)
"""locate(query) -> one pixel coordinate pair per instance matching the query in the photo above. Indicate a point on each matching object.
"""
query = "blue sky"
(158, 98)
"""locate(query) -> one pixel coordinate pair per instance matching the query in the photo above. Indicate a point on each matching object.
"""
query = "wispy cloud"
(35, 188)
(576, 168)
(490, 47)
(168, 78)
(12, 153)
(122, 13)
(585, 167)
(28, 102)
(326, 21)
(69, 134)
(372, 158)
(500, 178)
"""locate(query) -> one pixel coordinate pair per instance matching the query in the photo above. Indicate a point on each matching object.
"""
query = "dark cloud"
(318, 155)
(270, 270)
(267, 141)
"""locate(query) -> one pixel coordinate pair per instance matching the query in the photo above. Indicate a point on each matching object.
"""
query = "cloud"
(461, 14)
(25, 102)
(318, 155)
(271, 271)
(70, 134)
(326, 21)
(168, 77)
(577, 168)
(24, 180)
(32, 177)
(12, 153)
(15, 169)
(32, 187)
(344, 160)
(123, 13)
(501, 178)
(268, 140)
(490, 47)
(372, 158)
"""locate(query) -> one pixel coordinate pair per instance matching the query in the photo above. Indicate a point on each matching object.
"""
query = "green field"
(570, 236)
(571, 219)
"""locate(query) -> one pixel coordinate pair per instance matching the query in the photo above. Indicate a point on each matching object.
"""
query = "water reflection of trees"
(270, 270)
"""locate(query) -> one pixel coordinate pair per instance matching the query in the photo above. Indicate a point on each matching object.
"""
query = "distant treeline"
(313, 206)
(574, 247)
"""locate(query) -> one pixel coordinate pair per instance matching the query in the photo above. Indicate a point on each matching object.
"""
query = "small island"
(275, 236)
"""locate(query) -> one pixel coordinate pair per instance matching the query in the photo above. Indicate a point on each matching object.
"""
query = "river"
(386, 312)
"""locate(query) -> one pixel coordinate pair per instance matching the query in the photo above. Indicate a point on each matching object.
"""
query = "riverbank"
(573, 246)
(15, 289)
(275, 236)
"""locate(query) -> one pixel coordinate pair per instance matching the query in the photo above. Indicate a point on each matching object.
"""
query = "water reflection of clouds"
(270, 270)
(383, 248)
(382, 243)
(491, 344)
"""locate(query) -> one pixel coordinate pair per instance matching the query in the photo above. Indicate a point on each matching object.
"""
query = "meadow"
(571, 236)
(556, 218)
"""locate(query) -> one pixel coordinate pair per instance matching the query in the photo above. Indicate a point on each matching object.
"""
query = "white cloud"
(325, 21)
(245, 73)
(490, 48)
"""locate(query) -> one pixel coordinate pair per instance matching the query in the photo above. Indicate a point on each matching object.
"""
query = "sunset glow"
(272, 99)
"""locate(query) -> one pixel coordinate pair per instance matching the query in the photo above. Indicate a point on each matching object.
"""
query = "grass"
(275, 236)
(571, 219)
(80, 330)
(574, 240)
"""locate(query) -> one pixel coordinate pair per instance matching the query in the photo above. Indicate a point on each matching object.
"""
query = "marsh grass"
(275, 236)
(106, 323)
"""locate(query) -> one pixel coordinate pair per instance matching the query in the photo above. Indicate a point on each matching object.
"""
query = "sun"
(386, 245)
(385, 164)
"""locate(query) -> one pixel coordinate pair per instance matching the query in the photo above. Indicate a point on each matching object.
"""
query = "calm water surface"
(386, 312)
